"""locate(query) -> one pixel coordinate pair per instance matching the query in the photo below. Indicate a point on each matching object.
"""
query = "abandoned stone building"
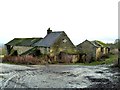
(52, 44)
(55, 43)
(91, 50)
(58, 45)
(105, 47)
(19, 46)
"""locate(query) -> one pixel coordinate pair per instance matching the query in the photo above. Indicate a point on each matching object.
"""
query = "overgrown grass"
(2, 51)
(112, 59)
(28, 60)
(42, 60)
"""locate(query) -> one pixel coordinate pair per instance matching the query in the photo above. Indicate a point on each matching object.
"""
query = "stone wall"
(68, 58)
(99, 54)
(44, 50)
(88, 49)
(21, 49)
(63, 44)
(105, 51)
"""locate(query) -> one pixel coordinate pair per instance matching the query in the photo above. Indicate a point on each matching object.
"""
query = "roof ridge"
(57, 31)
(23, 41)
(28, 38)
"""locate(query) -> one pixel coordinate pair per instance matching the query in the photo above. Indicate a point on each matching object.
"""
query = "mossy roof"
(95, 43)
(101, 43)
(91, 42)
(23, 41)
(29, 51)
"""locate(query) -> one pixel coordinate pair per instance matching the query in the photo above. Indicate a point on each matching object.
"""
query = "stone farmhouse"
(92, 50)
(57, 44)
(19, 46)
(53, 44)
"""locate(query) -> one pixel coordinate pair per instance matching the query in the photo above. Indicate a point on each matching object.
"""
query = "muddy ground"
(58, 76)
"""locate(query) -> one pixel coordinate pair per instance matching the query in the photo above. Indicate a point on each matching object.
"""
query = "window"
(64, 40)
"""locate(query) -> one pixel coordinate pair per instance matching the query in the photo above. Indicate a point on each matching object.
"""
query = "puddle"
(99, 72)
(72, 75)
(92, 79)
(4, 72)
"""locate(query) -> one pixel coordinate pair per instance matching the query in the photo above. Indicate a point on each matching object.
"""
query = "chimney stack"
(49, 31)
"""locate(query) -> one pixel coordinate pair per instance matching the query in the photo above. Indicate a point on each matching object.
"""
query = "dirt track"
(58, 76)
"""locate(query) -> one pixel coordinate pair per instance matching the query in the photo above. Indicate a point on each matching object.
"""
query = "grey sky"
(80, 19)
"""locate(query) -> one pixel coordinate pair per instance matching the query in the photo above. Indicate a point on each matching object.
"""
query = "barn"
(90, 50)
(20, 46)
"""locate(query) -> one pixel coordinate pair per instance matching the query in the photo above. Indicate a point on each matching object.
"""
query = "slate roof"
(96, 43)
(23, 41)
(91, 42)
(49, 39)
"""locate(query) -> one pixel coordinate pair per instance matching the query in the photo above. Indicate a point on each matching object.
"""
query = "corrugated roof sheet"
(101, 43)
(95, 43)
(49, 39)
(23, 41)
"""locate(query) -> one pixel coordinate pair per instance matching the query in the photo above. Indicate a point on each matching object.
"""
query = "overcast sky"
(80, 19)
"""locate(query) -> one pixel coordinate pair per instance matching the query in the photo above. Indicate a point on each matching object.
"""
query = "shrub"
(21, 59)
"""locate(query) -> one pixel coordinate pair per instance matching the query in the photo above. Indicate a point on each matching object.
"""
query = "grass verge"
(111, 60)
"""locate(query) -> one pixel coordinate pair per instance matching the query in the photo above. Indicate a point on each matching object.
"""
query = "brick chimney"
(49, 31)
